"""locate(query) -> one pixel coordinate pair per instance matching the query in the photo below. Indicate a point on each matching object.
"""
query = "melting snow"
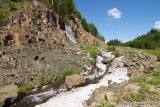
(77, 97)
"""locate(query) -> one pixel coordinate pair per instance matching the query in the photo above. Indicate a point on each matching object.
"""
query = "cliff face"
(34, 43)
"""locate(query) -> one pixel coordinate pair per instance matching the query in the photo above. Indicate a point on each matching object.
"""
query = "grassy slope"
(149, 83)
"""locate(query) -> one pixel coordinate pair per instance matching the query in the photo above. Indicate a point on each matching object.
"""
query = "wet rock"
(74, 80)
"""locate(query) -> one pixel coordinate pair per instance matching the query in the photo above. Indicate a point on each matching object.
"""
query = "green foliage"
(65, 8)
(154, 79)
(42, 80)
(113, 50)
(92, 29)
(147, 41)
(138, 79)
(139, 96)
(92, 50)
(115, 42)
(25, 88)
(101, 38)
(12, 6)
(105, 103)
(70, 71)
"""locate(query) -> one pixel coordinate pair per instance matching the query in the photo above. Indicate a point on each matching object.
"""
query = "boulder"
(107, 54)
(8, 92)
(74, 80)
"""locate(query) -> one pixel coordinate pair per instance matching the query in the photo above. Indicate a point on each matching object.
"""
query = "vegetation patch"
(25, 88)
(70, 71)
(149, 78)
(92, 50)
(42, 80)
(139, 96)
(113, 50)
(105, 103)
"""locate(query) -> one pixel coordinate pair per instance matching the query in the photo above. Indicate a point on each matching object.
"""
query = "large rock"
(8, 92)
(74, 80)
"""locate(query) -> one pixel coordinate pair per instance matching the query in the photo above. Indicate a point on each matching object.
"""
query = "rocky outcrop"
(34, 43)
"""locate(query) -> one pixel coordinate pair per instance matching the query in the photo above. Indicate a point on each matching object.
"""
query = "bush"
(92, 50)
(25, 88)
(12, 6)
(42, 80)
(70, 71)
(158, 58)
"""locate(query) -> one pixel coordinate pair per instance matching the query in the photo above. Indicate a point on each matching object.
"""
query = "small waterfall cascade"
(71, 35)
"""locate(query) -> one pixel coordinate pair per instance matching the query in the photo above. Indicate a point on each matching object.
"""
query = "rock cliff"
(34, 42)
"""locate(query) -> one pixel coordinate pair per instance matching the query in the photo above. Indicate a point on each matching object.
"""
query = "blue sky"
(122, 19)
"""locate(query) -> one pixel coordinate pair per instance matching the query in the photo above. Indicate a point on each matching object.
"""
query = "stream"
(57, 93)
(61, 96)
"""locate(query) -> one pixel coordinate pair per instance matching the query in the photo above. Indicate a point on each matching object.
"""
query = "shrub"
(12, 6)
(92, 50)
(42, 80)
(25, 88)
(70, 71)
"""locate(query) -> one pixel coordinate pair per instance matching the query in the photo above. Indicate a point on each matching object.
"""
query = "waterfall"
(70, 35)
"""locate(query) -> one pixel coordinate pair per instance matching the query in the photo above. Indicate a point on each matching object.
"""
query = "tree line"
(150, 40)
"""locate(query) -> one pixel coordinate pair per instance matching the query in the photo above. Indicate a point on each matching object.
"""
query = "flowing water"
(76, 97)
(70, 35)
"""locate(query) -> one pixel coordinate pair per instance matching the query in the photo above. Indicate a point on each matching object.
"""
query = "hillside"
(146, 41)
(51, 56)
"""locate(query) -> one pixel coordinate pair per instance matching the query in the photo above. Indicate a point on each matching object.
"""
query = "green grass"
(92, 50)
(105, 103)
(70, 71)
(25, 88)
(139, 96)
(139, 79)
(151, 52)
(154, 79)
(111, 48)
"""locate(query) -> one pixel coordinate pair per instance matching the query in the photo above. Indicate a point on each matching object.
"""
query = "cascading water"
(70, 35)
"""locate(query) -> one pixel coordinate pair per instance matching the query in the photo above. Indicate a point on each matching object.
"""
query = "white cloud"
(115, 13)
(157, 25)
